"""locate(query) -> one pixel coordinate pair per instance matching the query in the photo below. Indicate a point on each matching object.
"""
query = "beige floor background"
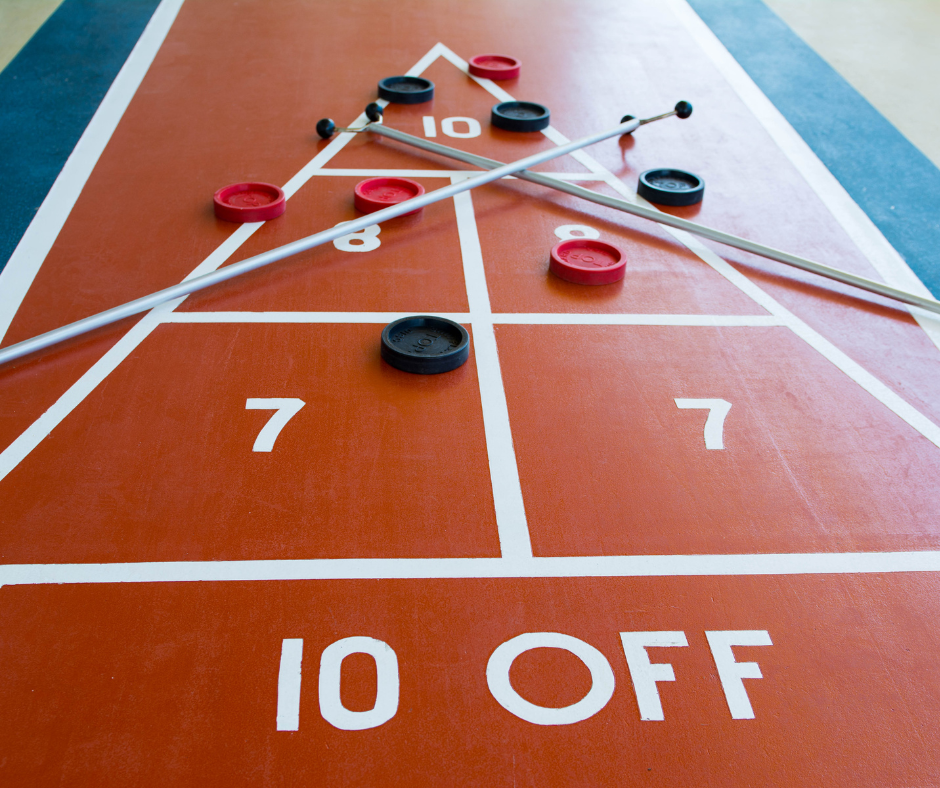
(889, 50)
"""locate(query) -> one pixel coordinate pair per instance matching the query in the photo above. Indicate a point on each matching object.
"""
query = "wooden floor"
(676, 530)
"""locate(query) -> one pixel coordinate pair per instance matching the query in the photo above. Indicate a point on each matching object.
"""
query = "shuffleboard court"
(677, 529)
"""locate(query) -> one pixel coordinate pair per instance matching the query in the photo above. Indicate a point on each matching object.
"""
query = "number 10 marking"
(715, 423)
(285, 409)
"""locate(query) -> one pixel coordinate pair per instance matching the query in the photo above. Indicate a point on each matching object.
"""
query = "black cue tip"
(374, 112)
(683, 109)
(326, 128)
(624, 119)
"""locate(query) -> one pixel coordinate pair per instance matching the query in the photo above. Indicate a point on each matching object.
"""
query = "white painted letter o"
(497, 677)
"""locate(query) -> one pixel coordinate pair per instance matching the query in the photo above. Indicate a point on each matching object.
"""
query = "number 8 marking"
(365, 240)
(569, 231)
(715, 423)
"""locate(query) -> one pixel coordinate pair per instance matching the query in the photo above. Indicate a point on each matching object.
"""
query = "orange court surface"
(679, 530)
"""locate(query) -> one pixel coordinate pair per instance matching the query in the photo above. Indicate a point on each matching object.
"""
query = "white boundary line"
(30, 253)
(739, 565)
(867, 237)
(363, 173)
(514, 540)
(545, 319)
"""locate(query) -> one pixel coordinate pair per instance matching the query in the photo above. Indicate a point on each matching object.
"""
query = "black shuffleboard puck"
(425, 345)
(520, 116)
(671, 187)
(406, 90)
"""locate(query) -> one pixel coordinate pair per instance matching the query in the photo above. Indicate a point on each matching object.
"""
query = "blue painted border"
(892, 181)
(49, 93)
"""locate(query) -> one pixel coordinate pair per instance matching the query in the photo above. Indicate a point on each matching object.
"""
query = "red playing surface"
(378, 463)
(627, 472)
(177, 684)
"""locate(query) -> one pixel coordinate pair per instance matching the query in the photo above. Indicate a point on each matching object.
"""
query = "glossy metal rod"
(266, 258)
(672, 221)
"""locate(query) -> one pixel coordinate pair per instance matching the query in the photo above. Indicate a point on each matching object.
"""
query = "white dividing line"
(302, 317)
(541, 319)
(29, 255)
(511, 521)
(566, 319)
(369, 173)
(743, 565)
(859, 227)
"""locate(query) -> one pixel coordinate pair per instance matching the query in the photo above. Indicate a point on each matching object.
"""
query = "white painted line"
(29, 255)
(371, 173)
(564, 319)
(883, 257)
(511, 521)
(304, 317)
(740, 565)
(528, 318)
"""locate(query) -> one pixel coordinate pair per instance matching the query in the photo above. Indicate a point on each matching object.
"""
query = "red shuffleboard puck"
(374, 194)
(588, 262)
(249, 202)
(494, 66)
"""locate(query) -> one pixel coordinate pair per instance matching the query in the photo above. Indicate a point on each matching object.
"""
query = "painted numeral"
(457, 127)
(284, 410)
(365, 240)
(288, 684)
(568, 231)
(715, 423)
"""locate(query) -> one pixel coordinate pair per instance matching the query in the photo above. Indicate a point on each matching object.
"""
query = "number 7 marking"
(285, 409)
(715, 423)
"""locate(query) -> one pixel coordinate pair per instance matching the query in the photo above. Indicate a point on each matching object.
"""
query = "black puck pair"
(425, 345)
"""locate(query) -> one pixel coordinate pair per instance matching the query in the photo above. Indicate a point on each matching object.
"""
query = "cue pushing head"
(326, 128)
(682, 110)
(374, 112)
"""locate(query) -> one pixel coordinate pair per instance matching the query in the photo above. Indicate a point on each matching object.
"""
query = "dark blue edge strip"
(49, 93)
(893, 182)
(51, 89)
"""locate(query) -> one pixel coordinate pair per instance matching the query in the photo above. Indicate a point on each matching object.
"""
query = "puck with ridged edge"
(494, 66)
(374, 194)
(671, 187)
(249, 202)
(520, 116)
(406, 90)
(425, 345)
(586, 261)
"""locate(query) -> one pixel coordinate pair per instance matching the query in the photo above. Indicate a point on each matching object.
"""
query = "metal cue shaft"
(266, 258)
(672, 221)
